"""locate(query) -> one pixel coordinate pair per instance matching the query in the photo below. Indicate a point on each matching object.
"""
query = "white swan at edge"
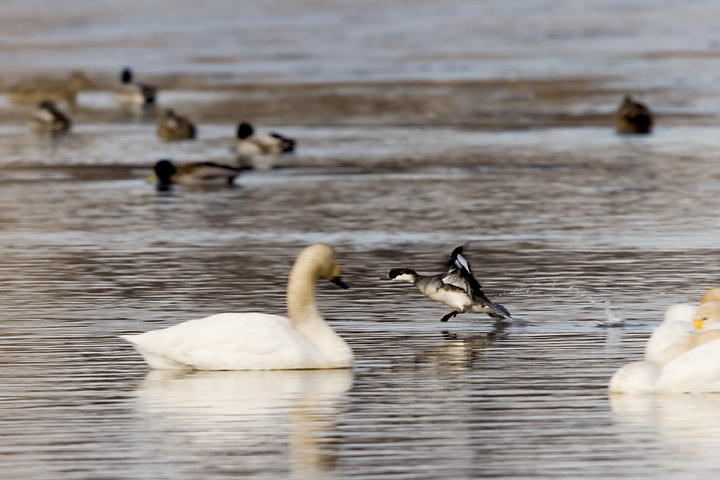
(679, 357)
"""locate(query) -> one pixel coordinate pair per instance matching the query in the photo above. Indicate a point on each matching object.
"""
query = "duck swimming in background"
(38, 90)
(258, 341)
(134, 95)
(681, 356)
(172, 126)
(633, 117)
(457, 288)
(198, 173)
(48, 119)
(251, 143)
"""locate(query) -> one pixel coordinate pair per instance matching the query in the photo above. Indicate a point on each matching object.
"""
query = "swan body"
(633, 117)
(676, 325)
(172, 126)
(457, 288)
(251, 143)
(48, 119)
(682, 355)
(257, 341)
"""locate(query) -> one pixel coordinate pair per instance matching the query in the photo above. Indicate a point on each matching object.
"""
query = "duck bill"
(698, 324)
(339, 282)
(152, 178)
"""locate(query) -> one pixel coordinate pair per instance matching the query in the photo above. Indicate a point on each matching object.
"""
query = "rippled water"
(585, 236)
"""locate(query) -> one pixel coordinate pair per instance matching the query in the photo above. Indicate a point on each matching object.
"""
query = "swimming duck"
(131, 94)
(633, 117)
(251, 143)
(172, 126)
(39, 90)
(457, 288)
(48, 119)
(258, 341)
(198, 173)
(682, 355)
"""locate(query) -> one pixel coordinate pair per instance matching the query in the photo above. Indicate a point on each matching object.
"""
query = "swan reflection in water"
(688, 422)
(287, 418)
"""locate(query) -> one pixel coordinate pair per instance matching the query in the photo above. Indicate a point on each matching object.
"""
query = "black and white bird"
(251, 143)
(134, 95)
(457, 288)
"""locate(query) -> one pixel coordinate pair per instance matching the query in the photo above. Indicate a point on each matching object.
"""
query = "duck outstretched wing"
(460, 275)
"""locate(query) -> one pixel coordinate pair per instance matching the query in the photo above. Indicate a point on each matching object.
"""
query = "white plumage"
(257, 341)
(679, 358)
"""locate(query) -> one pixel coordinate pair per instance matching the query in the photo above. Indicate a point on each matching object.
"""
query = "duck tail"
(286, 144)
(499, 311)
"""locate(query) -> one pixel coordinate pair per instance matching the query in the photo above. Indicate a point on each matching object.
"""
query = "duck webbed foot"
(448, 316)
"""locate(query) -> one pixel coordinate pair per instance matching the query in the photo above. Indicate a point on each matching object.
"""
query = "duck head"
(403, 275)
(126, 76)
(244, 130)
(164, 170)
(48, 105)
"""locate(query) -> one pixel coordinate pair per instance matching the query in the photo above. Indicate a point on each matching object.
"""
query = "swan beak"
(339, 282)
(698, 324)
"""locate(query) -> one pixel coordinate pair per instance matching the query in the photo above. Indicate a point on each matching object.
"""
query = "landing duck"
(258, 341)
(457, 288)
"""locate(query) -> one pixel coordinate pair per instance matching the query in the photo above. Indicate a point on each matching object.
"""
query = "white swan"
(258, 341)
(679, 358)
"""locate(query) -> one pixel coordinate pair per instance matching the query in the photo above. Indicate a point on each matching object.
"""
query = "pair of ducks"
(258, 341)
(213, 173)
(172, 126)
(48, 118)
(682, 355)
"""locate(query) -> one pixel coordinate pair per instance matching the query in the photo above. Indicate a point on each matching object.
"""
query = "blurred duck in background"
(48, 119)
(134, 95)
(40, 89)
(633, 117)
(251, 143)
(172, 126)
(198, 174)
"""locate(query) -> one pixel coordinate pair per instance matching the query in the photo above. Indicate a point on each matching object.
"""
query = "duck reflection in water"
(288, 413)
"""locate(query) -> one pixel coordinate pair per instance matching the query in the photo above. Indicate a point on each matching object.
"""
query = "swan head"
(403, 275)
(712, 295)
(708, 314)
(322, 259)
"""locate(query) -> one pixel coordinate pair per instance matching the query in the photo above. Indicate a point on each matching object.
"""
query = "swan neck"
(301, 297)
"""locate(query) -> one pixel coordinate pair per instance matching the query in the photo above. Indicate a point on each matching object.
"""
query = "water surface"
(585, 236)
